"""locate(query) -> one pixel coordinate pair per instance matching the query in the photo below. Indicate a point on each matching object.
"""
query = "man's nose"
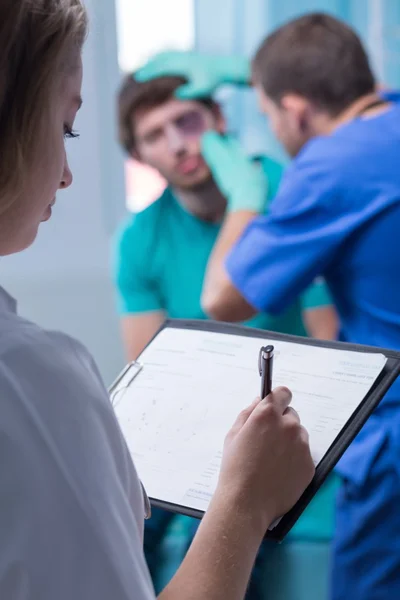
(175, 140)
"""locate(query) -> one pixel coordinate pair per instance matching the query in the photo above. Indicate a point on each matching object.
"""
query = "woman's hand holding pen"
(266, 462)
(266, 465)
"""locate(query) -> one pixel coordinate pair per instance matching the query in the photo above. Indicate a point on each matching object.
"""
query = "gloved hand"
(242, 181)
(204, 73)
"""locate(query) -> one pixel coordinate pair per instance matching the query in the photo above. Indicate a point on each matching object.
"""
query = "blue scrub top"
(337, 214)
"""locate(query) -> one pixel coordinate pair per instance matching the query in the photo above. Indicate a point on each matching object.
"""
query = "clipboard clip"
(121, 384)
(124, 380)
(146, 503)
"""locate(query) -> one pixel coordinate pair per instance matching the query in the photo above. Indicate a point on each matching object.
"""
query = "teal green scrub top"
(161, 258)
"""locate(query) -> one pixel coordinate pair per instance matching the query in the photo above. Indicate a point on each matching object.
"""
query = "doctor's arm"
(221, 300)
(263, 264)
(245, 187)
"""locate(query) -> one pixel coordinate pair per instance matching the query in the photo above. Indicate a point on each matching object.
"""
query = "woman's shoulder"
(47, 376)
(53, 403)
(67, 462)
(31, 351)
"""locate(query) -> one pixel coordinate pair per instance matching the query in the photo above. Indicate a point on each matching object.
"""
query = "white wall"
(149, 26)
(63, 281)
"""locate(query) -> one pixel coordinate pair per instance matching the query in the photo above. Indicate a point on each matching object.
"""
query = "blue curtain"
(238, 26)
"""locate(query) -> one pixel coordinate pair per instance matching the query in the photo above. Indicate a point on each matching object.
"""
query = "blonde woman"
(71, 505)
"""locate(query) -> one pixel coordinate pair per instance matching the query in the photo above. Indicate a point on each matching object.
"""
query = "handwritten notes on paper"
(177, 411)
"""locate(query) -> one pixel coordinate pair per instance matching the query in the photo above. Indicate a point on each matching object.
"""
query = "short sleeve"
(280, 254)
(316, 296)
(137, 289)
(71, 517)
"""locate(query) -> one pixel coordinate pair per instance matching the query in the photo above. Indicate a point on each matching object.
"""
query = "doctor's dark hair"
(136, 97)
(38, 43)
(317, 57)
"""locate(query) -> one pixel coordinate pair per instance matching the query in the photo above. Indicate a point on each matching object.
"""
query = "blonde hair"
(37, 38)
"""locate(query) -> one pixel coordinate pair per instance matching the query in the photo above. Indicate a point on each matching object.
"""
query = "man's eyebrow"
(78, 100)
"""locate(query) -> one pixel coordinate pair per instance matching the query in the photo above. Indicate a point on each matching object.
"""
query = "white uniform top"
(71, 505)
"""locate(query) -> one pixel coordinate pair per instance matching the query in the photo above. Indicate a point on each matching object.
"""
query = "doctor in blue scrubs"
(337, 214)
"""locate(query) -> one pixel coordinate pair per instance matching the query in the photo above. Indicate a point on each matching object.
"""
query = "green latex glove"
(241, 180)
(203, 73)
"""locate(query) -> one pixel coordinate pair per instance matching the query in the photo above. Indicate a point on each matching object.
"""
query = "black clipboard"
(387, 377)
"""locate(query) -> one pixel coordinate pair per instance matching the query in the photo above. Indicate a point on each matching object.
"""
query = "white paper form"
(193, 384)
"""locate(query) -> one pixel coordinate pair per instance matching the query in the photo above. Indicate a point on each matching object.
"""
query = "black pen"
(265, 364)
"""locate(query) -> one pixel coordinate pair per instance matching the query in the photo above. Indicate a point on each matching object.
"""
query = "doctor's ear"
(298, 108)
